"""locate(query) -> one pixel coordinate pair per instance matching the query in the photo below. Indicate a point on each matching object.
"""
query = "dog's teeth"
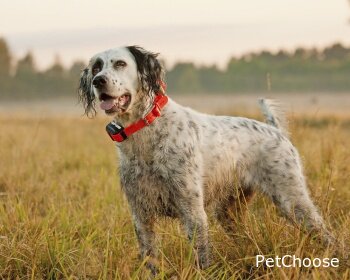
(123, 100)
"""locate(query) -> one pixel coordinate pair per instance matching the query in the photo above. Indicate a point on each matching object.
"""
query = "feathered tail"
(274, 115)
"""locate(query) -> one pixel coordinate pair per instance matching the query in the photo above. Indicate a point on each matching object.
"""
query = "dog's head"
(118, 78)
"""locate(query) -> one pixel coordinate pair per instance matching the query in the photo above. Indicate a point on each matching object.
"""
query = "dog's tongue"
(107, 104)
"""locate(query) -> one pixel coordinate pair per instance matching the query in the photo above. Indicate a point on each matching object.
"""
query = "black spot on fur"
(172, 151)
(193, 125)
(180, 126)
(243, 123)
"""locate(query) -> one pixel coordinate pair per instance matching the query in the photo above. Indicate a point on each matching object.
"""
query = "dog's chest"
(146, 184)
(151, 173)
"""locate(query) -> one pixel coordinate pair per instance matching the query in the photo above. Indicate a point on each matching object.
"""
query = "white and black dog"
(185, 161)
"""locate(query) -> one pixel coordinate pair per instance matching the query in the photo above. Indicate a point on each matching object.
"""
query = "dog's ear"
(150, 70)
(86, 95)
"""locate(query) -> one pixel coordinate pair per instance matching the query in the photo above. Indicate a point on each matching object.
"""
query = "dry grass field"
(63, 215)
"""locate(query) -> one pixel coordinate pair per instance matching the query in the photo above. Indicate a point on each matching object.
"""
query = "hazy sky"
(202, 31)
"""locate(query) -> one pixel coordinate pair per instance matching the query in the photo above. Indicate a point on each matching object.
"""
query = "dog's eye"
(120, 63)
(95, 70)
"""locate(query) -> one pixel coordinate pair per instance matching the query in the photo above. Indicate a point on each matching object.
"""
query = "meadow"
(64, 216)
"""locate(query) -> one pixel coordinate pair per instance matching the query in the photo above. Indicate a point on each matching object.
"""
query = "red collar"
(119, 133)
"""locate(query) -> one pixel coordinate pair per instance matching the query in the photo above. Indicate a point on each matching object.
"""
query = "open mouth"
(112, 104)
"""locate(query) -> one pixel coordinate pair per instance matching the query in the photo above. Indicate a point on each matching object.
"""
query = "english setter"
(184, 161)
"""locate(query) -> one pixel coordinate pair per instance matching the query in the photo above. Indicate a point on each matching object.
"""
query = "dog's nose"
(99, 81)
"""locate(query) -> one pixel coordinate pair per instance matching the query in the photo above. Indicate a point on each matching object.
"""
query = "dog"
(179, 162)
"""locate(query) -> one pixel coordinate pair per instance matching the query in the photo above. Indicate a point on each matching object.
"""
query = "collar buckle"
(156, 110)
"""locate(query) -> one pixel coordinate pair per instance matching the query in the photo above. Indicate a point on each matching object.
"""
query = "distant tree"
(300, 53)
(5, 59)
(314, 54)
(265, 55)
(5, 68)
(211, 79)
(282, 55)
(336, 52)
(56, 70)
(26, 77)
(26, 66)
(55, 81)
(184, 78)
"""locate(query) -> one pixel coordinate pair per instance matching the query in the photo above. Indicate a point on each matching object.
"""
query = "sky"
(205, 32)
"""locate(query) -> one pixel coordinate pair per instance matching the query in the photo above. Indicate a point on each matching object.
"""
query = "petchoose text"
(293, 261)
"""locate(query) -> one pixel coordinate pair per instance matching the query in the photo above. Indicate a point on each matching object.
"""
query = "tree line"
(302, 70)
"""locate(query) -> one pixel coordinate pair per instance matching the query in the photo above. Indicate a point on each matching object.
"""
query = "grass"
(63, 215)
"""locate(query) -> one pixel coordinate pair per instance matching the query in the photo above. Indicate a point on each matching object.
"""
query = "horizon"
(203, 32)
(223, 66)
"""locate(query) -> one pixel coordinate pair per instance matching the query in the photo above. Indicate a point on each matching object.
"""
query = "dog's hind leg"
(232, 210)
(289, 193)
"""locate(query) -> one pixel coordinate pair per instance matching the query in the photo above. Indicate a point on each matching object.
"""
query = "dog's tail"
(274, 115)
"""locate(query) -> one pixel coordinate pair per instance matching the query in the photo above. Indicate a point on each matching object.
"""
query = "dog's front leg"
(146, 239)
(196, 225)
